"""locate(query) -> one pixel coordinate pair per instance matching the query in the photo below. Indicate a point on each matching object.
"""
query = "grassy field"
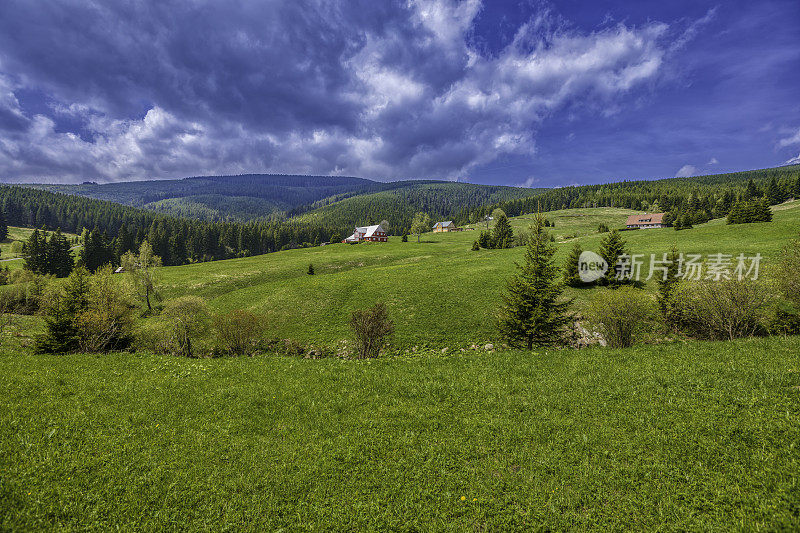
(439, 292)
(686, 436)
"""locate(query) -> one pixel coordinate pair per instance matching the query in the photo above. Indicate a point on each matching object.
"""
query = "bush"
(787, 277)
(188, 317)
(371, 329)
(602, 228)
(107, 321)
(621, 315)
(475, 246)
(239, 332)
(720, 310)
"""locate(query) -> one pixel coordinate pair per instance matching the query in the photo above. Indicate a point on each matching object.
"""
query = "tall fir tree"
(666, 283)
(533, 313)
(97, 250)
(611, 248)
(774, 193)
(3, 227)
(58, 256)
(125, 241)
(34, 252)
(751, 192)
(571, 273)
(502, 235)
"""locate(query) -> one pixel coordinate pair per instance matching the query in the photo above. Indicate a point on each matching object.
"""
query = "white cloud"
(712, 161)
(408, 97)
(687, 171)
(791, 140)
(793, 161)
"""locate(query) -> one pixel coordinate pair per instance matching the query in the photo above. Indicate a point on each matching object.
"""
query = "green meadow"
(439, 292)
(686, 436)
(675, 436)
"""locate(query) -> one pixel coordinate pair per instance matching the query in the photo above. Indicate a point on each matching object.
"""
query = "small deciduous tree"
(371, 328)
(142, 269)
(421, 224)
(533, 313)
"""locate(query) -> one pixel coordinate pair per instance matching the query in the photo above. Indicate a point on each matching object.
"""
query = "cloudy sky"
(517, 92)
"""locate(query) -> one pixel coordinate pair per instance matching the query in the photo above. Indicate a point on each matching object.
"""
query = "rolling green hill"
(439, 291)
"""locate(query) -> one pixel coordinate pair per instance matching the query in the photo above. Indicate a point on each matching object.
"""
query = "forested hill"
(240, 197)
(441, 200)
(255, 196)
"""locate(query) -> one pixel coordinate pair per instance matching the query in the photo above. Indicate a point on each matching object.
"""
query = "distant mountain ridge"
(252, 196)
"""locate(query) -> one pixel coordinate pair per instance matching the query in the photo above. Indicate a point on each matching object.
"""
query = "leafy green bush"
(239, 332)
(721, 310)
(621, 315)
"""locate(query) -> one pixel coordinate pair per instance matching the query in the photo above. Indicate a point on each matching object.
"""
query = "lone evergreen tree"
(503, 235)
(533, 313)
(310, 271)
(571, 273)
(611, 247)
(666, 283)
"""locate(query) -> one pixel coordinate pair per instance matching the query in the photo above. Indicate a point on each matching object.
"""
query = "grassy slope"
(695, 436)
(439, 291)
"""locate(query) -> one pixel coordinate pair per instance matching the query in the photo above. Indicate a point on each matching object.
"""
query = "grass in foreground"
(693, 436)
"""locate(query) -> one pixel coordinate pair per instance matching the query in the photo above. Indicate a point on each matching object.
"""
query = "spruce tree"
(611, 247)
(666, 283)
(571, 272)
(310, 270)
(533, 313)
(774, 193)
(58, 256)
(97, 250)
(34, 252)
(503, 235)
(751, 192)
(3, 227)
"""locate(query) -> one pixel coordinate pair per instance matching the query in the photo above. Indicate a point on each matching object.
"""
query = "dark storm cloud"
(369, 88)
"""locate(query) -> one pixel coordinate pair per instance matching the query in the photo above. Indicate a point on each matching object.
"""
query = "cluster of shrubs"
(707, 309)
(97, 312)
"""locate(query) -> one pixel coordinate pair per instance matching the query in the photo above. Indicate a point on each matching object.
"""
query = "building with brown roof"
(645, 221)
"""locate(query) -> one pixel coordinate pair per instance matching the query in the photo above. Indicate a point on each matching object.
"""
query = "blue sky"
(519, 93)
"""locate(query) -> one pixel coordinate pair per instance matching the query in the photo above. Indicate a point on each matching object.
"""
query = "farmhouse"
(443, 227)
(368, 233)
(653, 220)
